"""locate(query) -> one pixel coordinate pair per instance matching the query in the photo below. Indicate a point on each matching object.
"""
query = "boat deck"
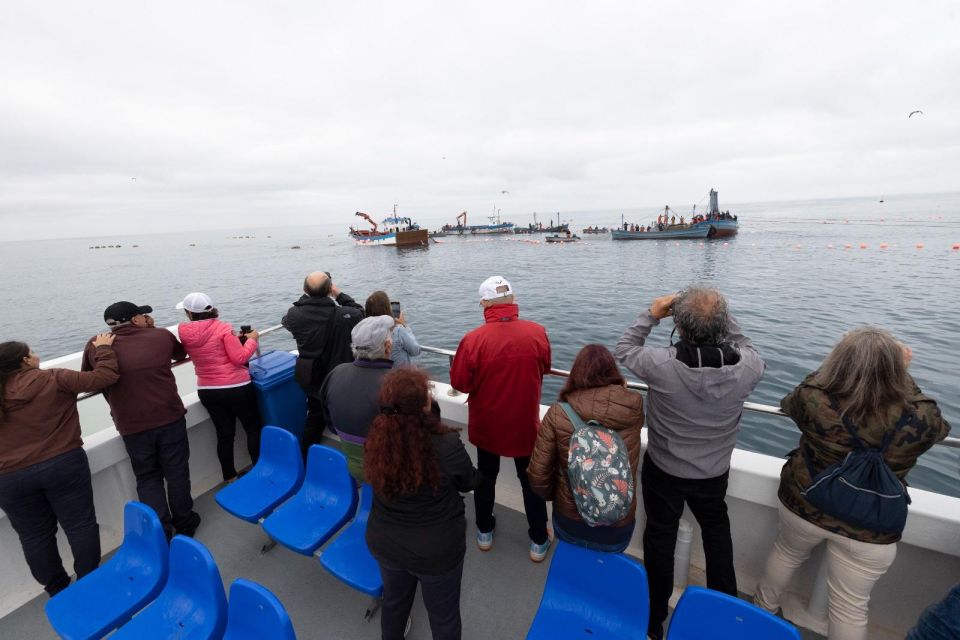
(501, 588)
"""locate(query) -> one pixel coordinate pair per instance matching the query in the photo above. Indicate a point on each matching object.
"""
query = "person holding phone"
(405, 345)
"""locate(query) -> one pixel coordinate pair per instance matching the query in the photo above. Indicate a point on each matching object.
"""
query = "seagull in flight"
(915, 112)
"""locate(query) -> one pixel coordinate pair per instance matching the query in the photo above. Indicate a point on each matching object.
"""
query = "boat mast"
(714, 204)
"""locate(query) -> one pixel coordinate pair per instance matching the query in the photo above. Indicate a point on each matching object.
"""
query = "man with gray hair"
(694, 405)
(349, 392)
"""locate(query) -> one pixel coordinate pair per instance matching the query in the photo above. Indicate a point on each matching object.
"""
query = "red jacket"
(218, 357)
(501, 365)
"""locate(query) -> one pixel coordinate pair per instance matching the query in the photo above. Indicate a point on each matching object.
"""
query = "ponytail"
(11, 361)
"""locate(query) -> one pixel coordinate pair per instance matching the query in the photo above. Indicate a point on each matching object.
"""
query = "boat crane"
(368, 219)
(464, 222)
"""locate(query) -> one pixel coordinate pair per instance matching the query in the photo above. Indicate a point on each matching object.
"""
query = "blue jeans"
(39, 497)
(940, 621)
(569, 538)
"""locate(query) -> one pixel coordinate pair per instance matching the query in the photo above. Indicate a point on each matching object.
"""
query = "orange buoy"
(956, 246)
(848, 246)
(863, 245)
(829, 246)
(883, 245)
(919, 245)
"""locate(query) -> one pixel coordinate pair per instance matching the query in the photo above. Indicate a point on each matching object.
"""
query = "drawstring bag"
(862, 489)
(598, 469)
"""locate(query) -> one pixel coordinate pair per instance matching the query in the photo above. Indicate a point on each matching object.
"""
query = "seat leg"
(267, 546)
(372, 608)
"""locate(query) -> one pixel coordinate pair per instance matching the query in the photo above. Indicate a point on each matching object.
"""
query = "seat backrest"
(144, 544)
(254, 613)
(328, 478)
(194, 574)
(575, 572)
(703, 613)
(366, 504)
(280, 456)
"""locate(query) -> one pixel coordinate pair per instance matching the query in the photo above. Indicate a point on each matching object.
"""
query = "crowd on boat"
(665, 222)
(859, 410)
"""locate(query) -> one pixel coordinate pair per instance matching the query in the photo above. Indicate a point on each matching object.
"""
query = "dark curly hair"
(593, 367)
(398, 456)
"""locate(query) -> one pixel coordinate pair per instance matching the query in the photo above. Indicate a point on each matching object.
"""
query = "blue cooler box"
(282, 401)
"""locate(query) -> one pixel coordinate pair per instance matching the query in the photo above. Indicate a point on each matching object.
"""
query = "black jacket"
(426, 532)
(309, 320)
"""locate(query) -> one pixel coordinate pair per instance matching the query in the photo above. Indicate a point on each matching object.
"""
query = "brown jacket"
(612, 406)
(826, 441)
(40, 409)
(146, 395)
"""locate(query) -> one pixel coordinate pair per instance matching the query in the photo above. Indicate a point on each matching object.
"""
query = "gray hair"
(701, 315)
(371, 353)
(867, 373)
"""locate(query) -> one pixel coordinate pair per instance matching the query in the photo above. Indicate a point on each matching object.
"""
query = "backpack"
(598, 469)
(862, 489)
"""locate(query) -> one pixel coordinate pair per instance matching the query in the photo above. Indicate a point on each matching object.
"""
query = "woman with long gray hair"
(44, 473)
(862, 395)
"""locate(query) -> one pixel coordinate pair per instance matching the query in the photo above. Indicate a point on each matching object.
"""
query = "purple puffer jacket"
(217, 355)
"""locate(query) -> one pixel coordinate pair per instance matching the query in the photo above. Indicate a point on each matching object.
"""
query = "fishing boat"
(559, 238)
(396, 232)
(462, 228)
(715, 224)
(537, 227)
(438, 234)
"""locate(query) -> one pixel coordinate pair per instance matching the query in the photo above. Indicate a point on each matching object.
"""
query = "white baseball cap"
(495, 287)
(196, 302)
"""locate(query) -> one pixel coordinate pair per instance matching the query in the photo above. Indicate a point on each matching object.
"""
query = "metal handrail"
(756, 407)
(84, 396)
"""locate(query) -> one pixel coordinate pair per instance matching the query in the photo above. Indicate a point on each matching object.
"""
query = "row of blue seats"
(152, 590)
(304, 508)
(603, 596)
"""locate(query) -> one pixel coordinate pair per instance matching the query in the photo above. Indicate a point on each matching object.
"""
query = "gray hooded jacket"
(693, 414)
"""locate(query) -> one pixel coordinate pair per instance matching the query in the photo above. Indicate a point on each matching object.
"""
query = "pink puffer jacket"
(217, 355)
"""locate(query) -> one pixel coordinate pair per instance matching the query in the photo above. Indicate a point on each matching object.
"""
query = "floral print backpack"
(598, 469)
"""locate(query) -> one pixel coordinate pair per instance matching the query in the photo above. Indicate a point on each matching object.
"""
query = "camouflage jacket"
(826, 441)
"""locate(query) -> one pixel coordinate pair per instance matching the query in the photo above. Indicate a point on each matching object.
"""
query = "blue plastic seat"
(324, 503)
(106, 598)
(348, 557)
(256, 614)
(591, 594)
(276, 476)
(703, 613)
(192, 605)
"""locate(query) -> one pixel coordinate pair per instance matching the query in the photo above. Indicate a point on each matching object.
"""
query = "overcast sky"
(255, 113)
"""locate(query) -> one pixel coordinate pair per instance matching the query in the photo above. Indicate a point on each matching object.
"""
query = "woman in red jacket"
(44, 473)
(223, 382)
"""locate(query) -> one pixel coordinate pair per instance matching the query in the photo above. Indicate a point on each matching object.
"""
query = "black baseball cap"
(123, 312)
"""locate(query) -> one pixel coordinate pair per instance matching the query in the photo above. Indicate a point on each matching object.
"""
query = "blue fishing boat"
(715, 224)
(462, 227)
(396, 232)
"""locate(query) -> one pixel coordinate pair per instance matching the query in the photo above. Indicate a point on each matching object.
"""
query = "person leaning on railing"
(595, 390)
(417, 468)
(223, 381)
(44, 472)
(863, 382)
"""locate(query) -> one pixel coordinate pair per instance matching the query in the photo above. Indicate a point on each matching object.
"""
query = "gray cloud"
(226, 112)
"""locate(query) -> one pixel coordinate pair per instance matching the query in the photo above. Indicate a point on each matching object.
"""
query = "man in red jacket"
(501, 365)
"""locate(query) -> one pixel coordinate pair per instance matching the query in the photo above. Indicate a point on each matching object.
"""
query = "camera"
(244, 330)
(395, 309)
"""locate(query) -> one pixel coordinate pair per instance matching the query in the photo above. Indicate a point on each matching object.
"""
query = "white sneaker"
(484, 540)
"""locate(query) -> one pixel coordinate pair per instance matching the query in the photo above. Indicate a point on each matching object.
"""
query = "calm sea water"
(793, 294)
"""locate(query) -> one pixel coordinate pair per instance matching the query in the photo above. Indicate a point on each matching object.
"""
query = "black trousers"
(441, 597)
(315, 424)
(663, 498)
(38, 497)
(485, 495)
(161, 455)
(225, 407)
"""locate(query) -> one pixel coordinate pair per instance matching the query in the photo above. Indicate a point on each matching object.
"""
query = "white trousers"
(853, 567)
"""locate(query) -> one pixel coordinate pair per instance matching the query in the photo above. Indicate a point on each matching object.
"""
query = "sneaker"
(484, 540)
(539, 551)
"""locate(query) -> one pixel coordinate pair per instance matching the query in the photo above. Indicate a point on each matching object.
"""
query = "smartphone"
(395, 308)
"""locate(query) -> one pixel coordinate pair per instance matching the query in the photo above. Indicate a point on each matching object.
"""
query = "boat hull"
(562, 239)
(701, 230)
(416, 237)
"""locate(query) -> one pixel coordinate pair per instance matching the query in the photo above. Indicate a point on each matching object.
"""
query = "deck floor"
(501, 588)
